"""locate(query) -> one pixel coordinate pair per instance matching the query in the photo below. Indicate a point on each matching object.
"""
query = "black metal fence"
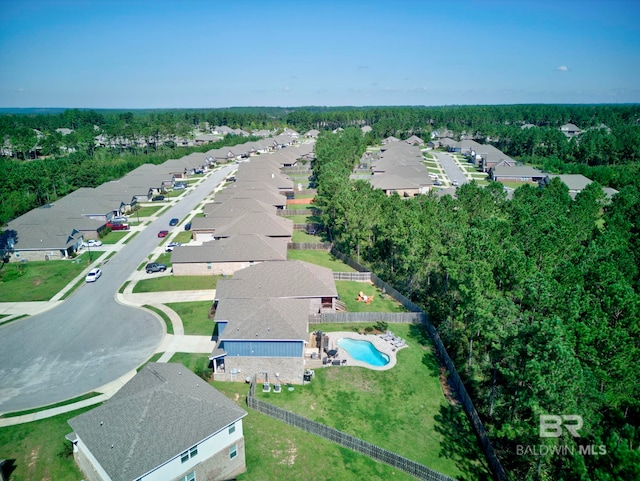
(413, 468)
(481, 433)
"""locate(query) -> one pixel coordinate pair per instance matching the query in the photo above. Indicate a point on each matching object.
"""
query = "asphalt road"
(450, 168)
(90, 339)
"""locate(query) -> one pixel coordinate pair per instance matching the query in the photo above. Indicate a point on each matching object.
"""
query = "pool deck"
(380, 344)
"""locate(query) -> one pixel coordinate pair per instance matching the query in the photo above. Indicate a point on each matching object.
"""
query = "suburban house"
(225, 256)
(312, 134)
(398, 168)
(516, 174)
(570, 130)
(415, 140)
(366, 129)
(166, 423)
(389, 139)
(262, 315)
(576, 183)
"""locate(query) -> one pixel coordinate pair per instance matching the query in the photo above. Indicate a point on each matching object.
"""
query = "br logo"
(551, 425)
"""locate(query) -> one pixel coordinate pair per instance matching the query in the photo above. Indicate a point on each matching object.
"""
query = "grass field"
(301, 236)
(195, 317)
(40, 280)
(163, 316)
(39, 451)
(173, 283)
(321, 258)
(349, 290)
(403, 409)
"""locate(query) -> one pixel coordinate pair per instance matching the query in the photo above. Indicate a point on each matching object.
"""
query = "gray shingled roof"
(163, 411)
(264, 318)
(238, 206)
(241, 248)
(287, 279)
(256, 223)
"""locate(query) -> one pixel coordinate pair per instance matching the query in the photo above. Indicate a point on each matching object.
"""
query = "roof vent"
(101, 423)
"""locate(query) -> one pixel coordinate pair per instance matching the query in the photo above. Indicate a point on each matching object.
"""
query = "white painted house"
(165, 424)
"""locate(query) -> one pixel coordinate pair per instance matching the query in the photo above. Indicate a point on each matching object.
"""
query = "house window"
(190, 453)
(189, 477)
(208, 265)
(232, 428)
(233, 451)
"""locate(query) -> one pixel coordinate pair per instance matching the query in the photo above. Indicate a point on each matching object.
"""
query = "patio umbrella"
(332, 353)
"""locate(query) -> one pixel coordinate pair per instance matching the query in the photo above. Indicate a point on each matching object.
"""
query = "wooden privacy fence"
(481, 433)
(319, 246)
(413, 468)
(352, 276)
(370, 317)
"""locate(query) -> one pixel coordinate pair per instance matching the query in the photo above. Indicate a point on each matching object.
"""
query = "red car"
(163, 233)
(116, 226)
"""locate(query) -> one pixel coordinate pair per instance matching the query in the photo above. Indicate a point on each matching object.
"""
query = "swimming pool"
(363, 351)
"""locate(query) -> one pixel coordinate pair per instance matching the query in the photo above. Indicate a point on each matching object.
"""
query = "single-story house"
(227, 255)
(166, 423)
(516, 174)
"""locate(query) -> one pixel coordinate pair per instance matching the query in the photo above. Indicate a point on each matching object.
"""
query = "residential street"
(91, 339)
(452, 170)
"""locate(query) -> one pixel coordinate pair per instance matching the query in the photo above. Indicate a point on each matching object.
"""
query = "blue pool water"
(363, 351)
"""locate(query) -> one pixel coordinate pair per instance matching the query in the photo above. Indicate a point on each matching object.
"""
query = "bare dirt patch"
(447, 388)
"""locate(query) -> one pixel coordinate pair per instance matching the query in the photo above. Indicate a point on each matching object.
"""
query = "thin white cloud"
(286, 89)
(562, 68)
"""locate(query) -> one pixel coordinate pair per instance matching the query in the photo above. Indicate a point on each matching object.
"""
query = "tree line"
(536, 299)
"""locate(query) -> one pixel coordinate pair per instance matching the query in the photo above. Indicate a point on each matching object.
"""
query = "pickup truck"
(155, 267)
(117, 226)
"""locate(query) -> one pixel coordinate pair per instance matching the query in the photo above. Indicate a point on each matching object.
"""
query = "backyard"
(320, 257)
(402, 409)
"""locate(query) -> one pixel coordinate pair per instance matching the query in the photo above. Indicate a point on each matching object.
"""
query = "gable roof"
(241, 248)
(286, 279)
(128, 434)
(269, 225)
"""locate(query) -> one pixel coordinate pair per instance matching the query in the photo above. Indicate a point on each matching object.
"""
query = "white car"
(455, 183)
(93, 275)
(92, 243)
(171, 246)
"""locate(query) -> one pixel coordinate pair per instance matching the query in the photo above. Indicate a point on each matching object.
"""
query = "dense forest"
(536, 298)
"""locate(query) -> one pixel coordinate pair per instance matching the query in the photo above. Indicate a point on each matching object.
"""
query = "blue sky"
(223, 53)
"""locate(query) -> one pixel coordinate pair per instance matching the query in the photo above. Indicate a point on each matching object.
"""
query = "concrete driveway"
(90, 339)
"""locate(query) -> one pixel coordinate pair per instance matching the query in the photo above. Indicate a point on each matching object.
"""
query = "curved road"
(90, 339)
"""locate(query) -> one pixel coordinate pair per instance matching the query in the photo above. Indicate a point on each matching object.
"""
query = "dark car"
(155, 267)
(157, 198)
(174, 221)
(187, 226)
(163, 233)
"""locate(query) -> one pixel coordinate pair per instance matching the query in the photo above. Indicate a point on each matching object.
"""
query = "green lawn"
(39, 451)
(195, 317)
(40, 280)
(173, 283)
(349, 290)
(114, 237)
(299, 219)
(146, 211)
(322, 258)
(403, 409)
(163, 316)
(302, 236)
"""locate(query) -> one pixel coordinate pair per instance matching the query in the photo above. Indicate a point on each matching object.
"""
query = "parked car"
(119, 220)
(174, 221)
(155, 267)
(454, 183)
(157, 198)
(93, 275)
(163, 233)
(171, 245)
(187, 226)
(437, 182)
(92, 243)
(117, 226)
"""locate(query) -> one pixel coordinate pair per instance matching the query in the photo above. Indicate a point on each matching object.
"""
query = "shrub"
(381, 325)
